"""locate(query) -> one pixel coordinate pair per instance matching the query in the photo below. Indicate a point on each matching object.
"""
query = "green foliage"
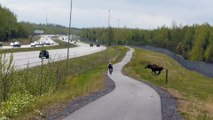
(199, 45)
(209, 50)
(9, 28)
(7, 75)
(16, 104)
(192, 42)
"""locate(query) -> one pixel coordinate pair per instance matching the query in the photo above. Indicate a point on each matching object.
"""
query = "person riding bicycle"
(110, 67)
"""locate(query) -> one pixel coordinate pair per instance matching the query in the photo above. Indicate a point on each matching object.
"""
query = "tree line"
(192, 42)
(10, 28)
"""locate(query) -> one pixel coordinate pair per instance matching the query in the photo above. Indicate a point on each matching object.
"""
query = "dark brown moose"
(155, 68)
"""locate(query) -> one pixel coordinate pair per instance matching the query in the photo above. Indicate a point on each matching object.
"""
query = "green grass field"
(193, 90)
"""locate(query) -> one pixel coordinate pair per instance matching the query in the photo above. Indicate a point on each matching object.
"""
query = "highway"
(24, 59)
(42, 38)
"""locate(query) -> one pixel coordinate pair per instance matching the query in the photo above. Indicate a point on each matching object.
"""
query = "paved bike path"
(131, 100)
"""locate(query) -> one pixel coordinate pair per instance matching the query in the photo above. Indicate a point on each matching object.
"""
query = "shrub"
(16, 104)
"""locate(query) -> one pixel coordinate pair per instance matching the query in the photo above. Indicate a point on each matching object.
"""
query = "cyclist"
(110, 67)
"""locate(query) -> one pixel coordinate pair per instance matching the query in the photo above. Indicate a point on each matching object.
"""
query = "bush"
(15, 105)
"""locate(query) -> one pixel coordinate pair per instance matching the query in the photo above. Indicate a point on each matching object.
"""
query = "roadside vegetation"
(193, 91)
(32, 91)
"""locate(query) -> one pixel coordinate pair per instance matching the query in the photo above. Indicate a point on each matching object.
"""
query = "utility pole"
(107, 41)
(46, 27)
(109, 19)
(68, 42)
(46, 20)
(109, 29)
(118, 22)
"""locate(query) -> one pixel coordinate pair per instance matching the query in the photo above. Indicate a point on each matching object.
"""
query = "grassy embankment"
(85, 75)
(193, 91)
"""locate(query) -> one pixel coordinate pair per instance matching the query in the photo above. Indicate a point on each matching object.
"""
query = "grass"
(193, 90)
(86, 75)
(60, 46)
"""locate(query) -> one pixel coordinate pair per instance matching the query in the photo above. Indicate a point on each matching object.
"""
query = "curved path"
(131, 100)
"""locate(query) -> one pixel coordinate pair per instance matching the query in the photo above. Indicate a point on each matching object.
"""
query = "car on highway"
(36, 43)
(11, 44)
(16, 44)
(32, 45)
(47, 42)
(44, 54)
(51, 43)
(91, 45)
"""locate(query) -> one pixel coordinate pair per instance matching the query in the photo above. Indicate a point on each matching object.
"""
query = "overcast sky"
(130, 13)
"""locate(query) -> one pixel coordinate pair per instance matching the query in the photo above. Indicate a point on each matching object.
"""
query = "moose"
(155, 68)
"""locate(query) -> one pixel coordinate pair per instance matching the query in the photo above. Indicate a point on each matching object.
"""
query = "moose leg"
(155, 73)
(158, 72)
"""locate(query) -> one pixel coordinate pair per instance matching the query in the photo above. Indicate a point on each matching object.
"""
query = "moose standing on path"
(155, 68)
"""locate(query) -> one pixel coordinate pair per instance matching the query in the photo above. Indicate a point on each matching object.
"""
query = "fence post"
(167, 75)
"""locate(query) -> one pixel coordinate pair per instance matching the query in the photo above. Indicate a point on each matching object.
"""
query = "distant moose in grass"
(155, 68)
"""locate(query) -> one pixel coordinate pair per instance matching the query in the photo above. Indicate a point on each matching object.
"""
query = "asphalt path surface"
(131, 100)
(30, 59)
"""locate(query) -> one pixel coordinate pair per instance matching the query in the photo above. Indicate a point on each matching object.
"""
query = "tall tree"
(209, 51)
(201, 37)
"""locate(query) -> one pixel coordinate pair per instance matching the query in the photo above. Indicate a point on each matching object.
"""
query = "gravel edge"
(168, 104)
(82, 101)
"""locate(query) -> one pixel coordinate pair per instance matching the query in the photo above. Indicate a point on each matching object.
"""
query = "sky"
(143, 14)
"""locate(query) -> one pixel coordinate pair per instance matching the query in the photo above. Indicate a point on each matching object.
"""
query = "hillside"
(193, 91)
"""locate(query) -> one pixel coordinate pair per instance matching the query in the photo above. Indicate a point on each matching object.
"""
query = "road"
(24, 59)
(131, 100)
(42, 38)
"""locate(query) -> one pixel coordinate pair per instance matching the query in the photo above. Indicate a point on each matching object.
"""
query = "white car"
(32, 45)
(51, 43)
(11, 44)
(17, 44)
(36, 43)
(47, 42)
